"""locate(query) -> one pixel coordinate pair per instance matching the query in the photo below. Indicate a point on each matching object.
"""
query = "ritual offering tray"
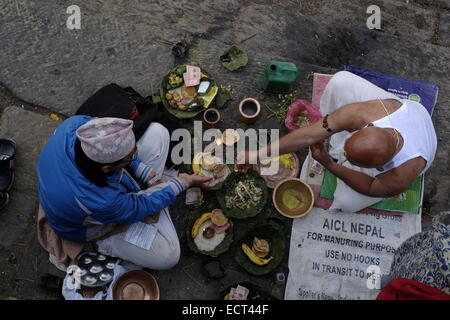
(262, 248)
(286, 166)
(208, 165)
(209, 233)
(243, 195)
(187, 90)
(95, 270)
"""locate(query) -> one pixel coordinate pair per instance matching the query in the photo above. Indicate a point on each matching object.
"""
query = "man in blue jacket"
(89, 177)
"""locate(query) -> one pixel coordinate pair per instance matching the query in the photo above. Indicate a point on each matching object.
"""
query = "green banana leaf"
(229, 186)
(186, 114)
(239, 58)
(273, 231)
(223, 96)
(223, 247)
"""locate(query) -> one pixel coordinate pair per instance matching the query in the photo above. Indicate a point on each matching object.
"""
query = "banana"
(253, 257)
(196, 162)
(199, 222)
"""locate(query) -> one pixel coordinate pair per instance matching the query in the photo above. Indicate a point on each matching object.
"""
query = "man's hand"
(154, 218)
(151, 181)
(245, 159)
(194, 180)
(320, 154)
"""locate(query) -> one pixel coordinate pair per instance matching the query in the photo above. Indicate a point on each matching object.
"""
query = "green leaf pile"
(223, 96)
(271, 230)
(238, 56)
(228, 188)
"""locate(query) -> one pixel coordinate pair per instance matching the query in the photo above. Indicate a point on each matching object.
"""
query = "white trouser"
(153, 147)
(164, 253)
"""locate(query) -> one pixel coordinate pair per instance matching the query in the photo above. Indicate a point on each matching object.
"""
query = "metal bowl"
(101, 257)
(110, 264)
(96, 268)
(105, 276)
(89, 280)
(304, 192)
(87, 260)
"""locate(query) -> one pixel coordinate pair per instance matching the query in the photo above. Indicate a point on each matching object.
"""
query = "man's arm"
(346, 118)
(388, 184)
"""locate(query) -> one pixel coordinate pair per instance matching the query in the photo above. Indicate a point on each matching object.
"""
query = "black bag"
(126, 103)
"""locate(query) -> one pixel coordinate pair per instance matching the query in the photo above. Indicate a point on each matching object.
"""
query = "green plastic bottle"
(279, 76)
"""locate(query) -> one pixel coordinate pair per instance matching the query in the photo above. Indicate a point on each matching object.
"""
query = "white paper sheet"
(140, 234)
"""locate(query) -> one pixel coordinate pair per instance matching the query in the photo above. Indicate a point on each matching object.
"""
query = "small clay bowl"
(249, 110)
(211, 118)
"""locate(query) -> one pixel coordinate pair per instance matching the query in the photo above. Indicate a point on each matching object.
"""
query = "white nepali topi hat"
(107, 140)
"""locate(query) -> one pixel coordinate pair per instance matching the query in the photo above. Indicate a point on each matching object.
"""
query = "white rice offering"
(208, 244)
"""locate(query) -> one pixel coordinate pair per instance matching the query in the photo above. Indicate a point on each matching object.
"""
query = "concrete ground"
(46, 69)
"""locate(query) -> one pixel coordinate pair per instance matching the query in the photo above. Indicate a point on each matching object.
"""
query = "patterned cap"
(107, 140)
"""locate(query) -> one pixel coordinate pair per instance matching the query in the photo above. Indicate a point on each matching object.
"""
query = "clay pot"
(211, 118)
(249, 110)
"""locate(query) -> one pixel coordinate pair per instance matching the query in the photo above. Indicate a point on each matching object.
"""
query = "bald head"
(370, 147)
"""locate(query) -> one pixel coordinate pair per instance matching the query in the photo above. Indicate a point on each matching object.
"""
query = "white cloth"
(153, 147)
(414, 123)
(345, 88)
(164, 247)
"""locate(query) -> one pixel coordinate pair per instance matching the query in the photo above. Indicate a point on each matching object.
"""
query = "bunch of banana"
(195, 229)
(253, 257)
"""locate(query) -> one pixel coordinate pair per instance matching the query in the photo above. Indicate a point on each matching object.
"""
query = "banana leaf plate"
(223, 247)
(215, 184)
(271, 230)
(228, 188)
(205, 99)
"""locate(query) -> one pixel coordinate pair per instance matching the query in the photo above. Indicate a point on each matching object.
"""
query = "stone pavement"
(55, 69)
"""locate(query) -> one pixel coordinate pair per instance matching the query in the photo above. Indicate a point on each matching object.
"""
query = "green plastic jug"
(279, 76)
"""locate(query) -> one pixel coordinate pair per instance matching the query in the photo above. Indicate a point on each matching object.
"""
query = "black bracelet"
(325, 123)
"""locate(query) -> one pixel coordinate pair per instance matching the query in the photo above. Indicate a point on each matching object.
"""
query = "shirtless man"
(393, 136)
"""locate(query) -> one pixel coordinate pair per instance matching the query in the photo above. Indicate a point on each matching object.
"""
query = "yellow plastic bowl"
(305, 194)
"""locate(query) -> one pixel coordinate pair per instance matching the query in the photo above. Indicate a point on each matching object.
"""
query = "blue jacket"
(77, 209)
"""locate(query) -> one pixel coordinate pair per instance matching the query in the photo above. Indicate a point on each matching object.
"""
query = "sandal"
(7, 154)
(4, 199)
(7, 150)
